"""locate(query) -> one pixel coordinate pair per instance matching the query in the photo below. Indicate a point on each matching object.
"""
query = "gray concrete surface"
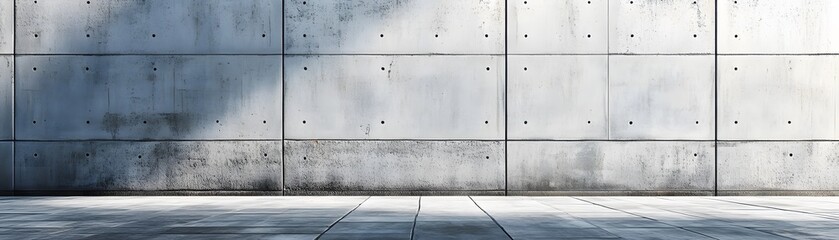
(149, 27)
(149, 97)
(395, 97)
(412, 96)
(610, 168)
(419, 217)
(148, 166)
(333, 167)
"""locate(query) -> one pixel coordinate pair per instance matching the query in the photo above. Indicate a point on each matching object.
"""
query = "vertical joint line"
(716, 93)
(506, 96)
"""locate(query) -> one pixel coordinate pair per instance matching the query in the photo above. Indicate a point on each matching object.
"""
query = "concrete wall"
(537, 97)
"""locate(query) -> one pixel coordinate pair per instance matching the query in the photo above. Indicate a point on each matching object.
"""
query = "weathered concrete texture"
(7, 79)
(778, 166)
(7, 172)
(387, 27)
(394, 165)
(656, 26)
(672, 167)
(778, 97)
(394, 97)
(778, 26)
(149, 97)
(149, 26)
(661, 97)
(558, 97)
(125, 165)
(557, 27)
(7, 26)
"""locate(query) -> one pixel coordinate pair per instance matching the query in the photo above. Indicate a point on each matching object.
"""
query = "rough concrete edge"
(813, 193)
(615, 193)
(396, 193)
(144, 193)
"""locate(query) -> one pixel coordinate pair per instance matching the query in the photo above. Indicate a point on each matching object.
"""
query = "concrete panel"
(655, 26)
(766, 166)
(227, 165)
(610, 166)
(149, 26)
(778, 97)
(149, 97)
(388, 27)
(7, 170)
(7, 26)
(661, 97)
(558, 97)
(394, 165)
(778, 26)
(394, 97)
(539, 27)
(7, 81)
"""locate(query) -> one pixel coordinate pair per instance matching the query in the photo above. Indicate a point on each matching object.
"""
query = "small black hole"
(630, 122)
(381, 35)
(695, 155)
(383, 68)
(154, 35)
(87, 122)
(155, 69)
(487, 157)
(589, 36)
(486, 35)
(735, 36)
(589, 122)
(304, 121)
(264, 122)
(525, 36)
(304, 35)
(436, 35)
(486, 122)
(34, 69)
(304, 158)
(790, 154)
(525, 68)
(632, 35)
(736, 122)
(216, 121)
(36, 35)
(87, 68)
(263, 35)
(694, 2)
(589, 2)
(697, 122)
(525, 2)
(87, 35)
(304, 2)
(383, 122)
(35, 155)
(265, 155)
(33, 122)
(525, 122)
(139, 156)
(487, 68)
(87, 154)
(88, 2)
(735, 68)
(631, 2)
(305, 69)
(144, 122)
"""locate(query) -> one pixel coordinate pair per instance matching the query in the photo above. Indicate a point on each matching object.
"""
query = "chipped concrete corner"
(489, 97)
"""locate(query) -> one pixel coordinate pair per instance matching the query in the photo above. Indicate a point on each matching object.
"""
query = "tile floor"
(419, 217)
